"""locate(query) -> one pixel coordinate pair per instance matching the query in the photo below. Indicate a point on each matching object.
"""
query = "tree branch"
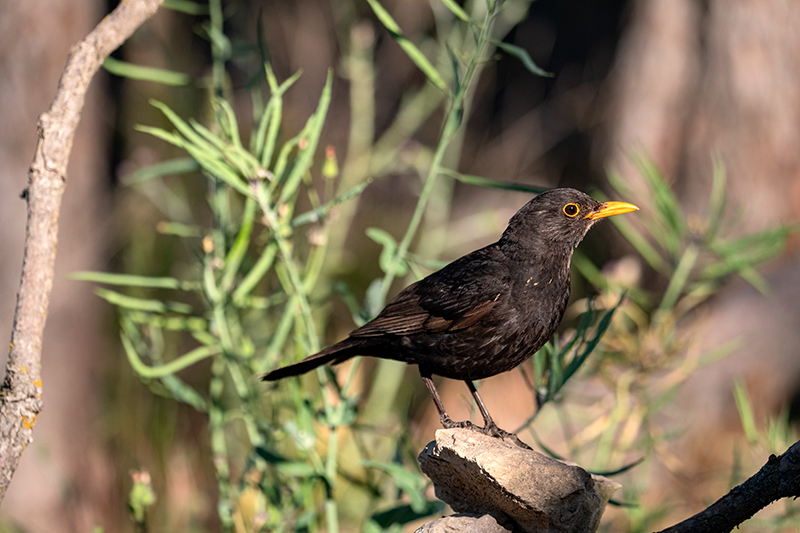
(21, 392)
(779, 478)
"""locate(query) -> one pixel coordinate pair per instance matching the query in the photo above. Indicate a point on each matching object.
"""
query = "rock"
(464, 522)
(481, 475)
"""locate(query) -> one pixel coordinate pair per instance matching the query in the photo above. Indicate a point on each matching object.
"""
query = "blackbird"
(486, 312)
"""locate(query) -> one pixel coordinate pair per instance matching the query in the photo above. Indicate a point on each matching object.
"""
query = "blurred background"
(655, 93)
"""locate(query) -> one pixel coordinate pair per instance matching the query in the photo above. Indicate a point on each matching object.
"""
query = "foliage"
(256, 286)
(254, 298)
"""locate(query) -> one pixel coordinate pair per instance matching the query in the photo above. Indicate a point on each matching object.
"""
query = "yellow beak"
(609, 209)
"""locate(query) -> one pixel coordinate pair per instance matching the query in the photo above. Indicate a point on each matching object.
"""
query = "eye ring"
(571, 210)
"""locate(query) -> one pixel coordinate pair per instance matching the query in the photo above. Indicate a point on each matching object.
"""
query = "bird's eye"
(571, 210)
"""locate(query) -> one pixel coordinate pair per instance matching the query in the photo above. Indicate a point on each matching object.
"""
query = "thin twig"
(21, 394)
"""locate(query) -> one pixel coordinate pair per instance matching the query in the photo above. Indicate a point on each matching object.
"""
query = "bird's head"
(561, 217)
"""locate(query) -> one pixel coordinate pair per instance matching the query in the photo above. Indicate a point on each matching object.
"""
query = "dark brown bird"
(486, 312)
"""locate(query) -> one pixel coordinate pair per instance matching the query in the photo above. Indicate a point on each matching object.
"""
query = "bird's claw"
(449, 423)
(490, 429)
(493, 430)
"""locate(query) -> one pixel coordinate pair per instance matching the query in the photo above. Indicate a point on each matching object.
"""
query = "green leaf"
(183, 392)
(342, 414)
(185, 6)
(138, 72)
(164, 135)
(403, 514)
(546, 449)
(179, 230)
(185, 361)
(256, 273)
(458, 11)
(717, 199)
(740, 256)
(409, 482)
(219, 170)
(648, 252)
(577, 362)
(522, 55)
(454, 66)
(183, 127)
(588, 270)
(170, 322)
(180, 165)
(131, 280)
(276, 100)
(408, 47)
(270, 122)
(679, 278)
(284, 465)
(667, 206)
(311, 133)
(620, 470)
(745, 409)
(143, 304)
(234, 155)
(282, 160)
(389, 244)
(237, 252)
(757, 246)
(227, 120)
(492, 184)
(373, 300)
(296, 469)
(315, 214)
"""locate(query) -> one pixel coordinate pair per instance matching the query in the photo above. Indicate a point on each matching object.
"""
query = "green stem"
(679, 278)
(249, 407)
(219, 449)
(331, 510)
(291, 269)
(451, 125)
(176, 365)
(217, 51)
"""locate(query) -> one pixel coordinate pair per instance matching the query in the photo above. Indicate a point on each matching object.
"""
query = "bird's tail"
(337, 353)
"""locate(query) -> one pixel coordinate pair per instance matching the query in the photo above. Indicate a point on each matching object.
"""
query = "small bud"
(330, 168)
(316, 237)
(208, 244)
(264, 174)
(142, 496)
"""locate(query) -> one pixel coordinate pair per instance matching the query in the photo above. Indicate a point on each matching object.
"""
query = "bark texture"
(21, 395)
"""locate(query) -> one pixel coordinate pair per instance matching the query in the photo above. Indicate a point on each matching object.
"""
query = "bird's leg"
(447, 422)
(489, 426)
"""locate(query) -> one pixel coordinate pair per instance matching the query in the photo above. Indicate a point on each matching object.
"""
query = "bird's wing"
(453, 298)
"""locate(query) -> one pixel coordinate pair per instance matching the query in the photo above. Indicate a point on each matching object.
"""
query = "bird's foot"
(490, 429)
(493, 430)
(449, 423)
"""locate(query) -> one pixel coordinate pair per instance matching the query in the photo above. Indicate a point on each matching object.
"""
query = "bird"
(486, 312)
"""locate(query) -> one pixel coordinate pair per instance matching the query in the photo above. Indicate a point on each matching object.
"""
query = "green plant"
(649, 349)
(249, 295)
(254, 286)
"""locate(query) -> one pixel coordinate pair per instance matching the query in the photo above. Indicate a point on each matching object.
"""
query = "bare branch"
(779, 478)
(21, 393)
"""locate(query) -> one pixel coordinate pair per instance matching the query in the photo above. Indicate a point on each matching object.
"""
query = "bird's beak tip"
(609, 209)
